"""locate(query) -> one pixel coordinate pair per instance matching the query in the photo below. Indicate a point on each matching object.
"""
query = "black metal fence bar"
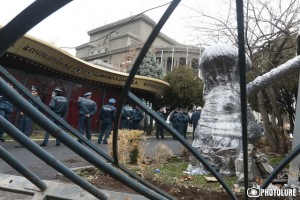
(27, 19)
(242, 67)
(24, 22)
(48, 158)
(295, 152)
(183, 141)
(55, 131)
(133, 71)
(22, 169)
(43, 108)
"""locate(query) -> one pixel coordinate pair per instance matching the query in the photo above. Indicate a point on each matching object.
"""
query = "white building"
(118, 44)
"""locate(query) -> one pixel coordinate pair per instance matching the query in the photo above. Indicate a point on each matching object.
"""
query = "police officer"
(176, 119)
(195, 118)
(58, 105)
(107, 115)
(87, 108)
(185, 121)
(126, 116)
(6, 108)
(137, 117)
(159, 127)
(25, 123)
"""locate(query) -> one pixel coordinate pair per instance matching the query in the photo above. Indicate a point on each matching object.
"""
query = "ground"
(187, 193)
(169, 176)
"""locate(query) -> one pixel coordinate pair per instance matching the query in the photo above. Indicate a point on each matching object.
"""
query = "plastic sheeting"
(282, 71)
(218, 136)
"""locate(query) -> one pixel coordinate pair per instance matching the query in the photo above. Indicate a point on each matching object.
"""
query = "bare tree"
(270, 31)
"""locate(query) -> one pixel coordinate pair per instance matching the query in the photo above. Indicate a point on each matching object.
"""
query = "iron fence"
(40, 10)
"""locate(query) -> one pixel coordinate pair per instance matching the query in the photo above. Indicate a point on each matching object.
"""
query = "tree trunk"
(279, 130)
(272, 97)
(291, 119)
(271, 139)
(283, 146)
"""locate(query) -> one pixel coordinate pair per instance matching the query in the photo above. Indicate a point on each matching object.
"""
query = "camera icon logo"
(253, 192)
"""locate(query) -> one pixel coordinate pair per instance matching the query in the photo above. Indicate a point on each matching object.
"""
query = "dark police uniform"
(87, 108)
(194, 120)
(59, 105)
(159, 127)
(107, 115)
(176, 119)
(6, 108)
(126, 117)
(185, 122)
(25, 122)
(137, 117)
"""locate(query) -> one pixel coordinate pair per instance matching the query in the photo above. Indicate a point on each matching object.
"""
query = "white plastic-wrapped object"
(218, 136)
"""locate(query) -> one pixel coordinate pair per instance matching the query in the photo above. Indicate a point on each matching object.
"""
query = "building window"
(182, 61)
(195, 63)
(169, 63)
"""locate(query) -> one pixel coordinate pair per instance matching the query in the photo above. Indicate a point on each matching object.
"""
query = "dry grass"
(131, 146)
(161, 154)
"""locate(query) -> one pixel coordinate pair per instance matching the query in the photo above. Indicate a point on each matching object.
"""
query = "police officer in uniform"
(107, 115)
(126, 116)
(185, 121)
(176, 119)
(59, 105)
(195, 118)
(25, 123)
(137, 117)
(6, 108)
(159, 127)
(87, 108)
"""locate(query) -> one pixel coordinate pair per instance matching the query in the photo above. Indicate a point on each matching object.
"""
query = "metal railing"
(24, 22)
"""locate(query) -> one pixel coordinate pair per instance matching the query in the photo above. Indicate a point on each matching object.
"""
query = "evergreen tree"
(150, 67)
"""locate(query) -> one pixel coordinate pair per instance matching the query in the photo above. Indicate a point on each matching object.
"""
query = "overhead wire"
(118, 27)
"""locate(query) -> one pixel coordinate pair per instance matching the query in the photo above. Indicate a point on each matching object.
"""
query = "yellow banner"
(58, 60)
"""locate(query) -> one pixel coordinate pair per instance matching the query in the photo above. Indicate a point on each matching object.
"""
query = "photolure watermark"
(257, 192)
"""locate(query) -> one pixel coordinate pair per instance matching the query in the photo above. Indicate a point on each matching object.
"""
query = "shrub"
(131, 146)
(161, 154)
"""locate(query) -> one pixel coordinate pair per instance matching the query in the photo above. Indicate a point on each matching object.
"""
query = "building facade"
(116, 44)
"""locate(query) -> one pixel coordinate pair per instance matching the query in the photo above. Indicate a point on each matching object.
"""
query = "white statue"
(218, 136)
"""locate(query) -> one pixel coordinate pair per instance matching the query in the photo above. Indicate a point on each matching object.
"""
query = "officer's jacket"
(6, 106)
(59, 105)
(127, 111)
(185, 117)
(161, 114)
(38, 98)
(176, 118)
(195, 118)
(107, 113)
(138, 115)
(86, 106)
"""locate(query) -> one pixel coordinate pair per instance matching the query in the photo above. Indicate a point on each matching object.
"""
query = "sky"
(68, 26)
